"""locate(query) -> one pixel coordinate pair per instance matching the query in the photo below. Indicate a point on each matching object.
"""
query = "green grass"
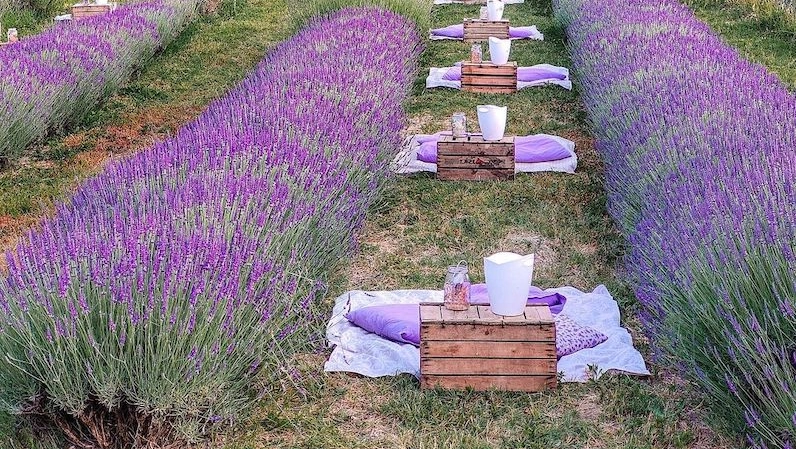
(767, 39)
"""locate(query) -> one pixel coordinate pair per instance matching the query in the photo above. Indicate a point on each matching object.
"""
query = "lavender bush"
(701, 175)
(55, 78)
(151, 299)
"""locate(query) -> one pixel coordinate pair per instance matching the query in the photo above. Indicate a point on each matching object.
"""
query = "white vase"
(508, 279)
(492, 120)
(499, 50)
(494, 9)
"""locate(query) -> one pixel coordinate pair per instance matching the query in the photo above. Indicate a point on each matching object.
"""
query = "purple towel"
(529, 149)
(453, 31)
(556, 301)
(535, 73)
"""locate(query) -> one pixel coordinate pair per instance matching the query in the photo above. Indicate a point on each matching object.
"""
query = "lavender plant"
(142, 310)
(53, 79)
(699, 145)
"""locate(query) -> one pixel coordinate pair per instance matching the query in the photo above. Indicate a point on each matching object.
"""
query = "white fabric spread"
(436, 78)
(406, 162)
(359, 351)
(448, 2)
(534, 34)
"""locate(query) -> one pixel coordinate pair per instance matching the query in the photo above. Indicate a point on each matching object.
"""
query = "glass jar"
(457, 287)
(476, 54)
(459, 125)
(12, 35)
(484, 14)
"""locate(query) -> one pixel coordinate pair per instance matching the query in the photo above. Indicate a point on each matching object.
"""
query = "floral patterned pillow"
(572, 337)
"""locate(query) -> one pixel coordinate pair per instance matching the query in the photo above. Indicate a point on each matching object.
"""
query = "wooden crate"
(83, 10)
(480, 350)
(481, 30)
(475, 159)
(485, 77)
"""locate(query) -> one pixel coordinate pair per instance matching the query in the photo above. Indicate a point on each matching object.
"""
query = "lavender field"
(162, 286)
(701, 176)
(51, 80)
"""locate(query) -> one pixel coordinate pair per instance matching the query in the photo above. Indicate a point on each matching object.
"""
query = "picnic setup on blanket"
(489, 154)
(505, 334)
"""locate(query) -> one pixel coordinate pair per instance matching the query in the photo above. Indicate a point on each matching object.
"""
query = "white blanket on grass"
(534, 34)
(365, 353)
(436, 78)
(406, 162)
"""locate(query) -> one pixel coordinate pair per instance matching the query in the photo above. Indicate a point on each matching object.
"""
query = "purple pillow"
(423, 138)
(453, 74)
(452, 31)
(556, 301)
(535, 73)
(572, 336)
(396, 322)
(428, 152)
(520, 32)
(539, 148)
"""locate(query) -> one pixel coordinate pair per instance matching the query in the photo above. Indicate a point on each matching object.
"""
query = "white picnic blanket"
(359, 351)
(436, 74)
(406, 162)
(534, 34)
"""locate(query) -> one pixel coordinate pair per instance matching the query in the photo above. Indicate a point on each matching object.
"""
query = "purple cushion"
(422, 138)
(534, 73)
(529, 149)
(556, 301)
(538, 148)
(572, 336)
(453, 74)
(428, 152)
(396, 322)
(453, 31)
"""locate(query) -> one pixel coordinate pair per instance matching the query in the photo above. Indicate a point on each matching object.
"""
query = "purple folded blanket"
(556, 301)
(524, 74)
(528, 149)
(457, 32)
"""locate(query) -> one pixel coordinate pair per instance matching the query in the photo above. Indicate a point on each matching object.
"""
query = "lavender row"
(701, 175)
(53, 79)
(175, 276)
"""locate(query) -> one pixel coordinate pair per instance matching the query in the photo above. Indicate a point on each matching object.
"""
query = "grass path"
(423, 225)
(211, 56)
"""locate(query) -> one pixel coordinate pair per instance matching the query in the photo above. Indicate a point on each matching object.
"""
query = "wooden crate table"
(485, 77)
(477, 349)
(83, 10)
(474, 159)
(476, 30)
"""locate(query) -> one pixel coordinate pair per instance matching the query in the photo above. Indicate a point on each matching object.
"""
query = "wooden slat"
(477, 366)
(482, 383)
(488, 90)
(487, 68)
(489, 349)
(453, 149)
(545, 316)
(505, 82)
(430, 313)
(476, 30)
(487, 331)
(477, 161)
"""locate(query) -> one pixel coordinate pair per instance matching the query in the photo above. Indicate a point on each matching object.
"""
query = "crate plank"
(475, 366)
(488, 349)
(478, 30)
(486, 332)
(484, 383)
(480, 161)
